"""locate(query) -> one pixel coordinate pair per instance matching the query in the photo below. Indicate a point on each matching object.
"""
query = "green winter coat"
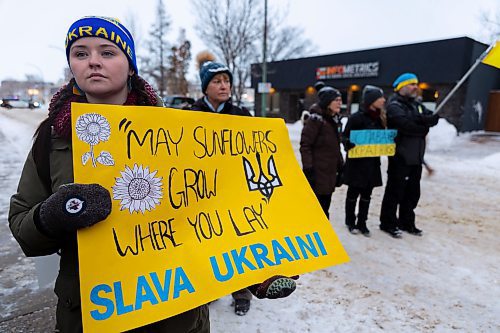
(30, 194)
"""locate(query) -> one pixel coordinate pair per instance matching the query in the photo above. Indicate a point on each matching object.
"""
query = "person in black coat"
(412, 120)
(320, 146)
(216, 82)
(361, 175)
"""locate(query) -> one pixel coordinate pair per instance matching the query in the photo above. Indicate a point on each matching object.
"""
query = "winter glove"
(72, 207)
(277, 286)
(429, 120)
(348, 145)
(309, 173)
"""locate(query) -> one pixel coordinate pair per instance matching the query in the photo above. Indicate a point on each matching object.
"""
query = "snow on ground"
(446, 281)
(17, 273)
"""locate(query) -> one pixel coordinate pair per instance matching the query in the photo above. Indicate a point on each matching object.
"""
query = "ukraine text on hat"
(88, 31)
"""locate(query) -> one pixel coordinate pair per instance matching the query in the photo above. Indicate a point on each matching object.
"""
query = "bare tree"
(286, 42)
(491, 21)
(234, 31)
(131, 22)
(178, 65)
(154, 64)
(230, 28)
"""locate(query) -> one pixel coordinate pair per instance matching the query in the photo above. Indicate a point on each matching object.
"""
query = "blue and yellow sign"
(203, 205)
(372, 143)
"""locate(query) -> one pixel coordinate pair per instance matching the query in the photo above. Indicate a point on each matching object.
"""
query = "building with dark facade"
(438, 64)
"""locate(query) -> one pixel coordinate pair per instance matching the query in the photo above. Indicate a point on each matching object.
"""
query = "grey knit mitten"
(74, 206)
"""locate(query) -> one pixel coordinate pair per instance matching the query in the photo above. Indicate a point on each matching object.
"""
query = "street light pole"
(264, 64)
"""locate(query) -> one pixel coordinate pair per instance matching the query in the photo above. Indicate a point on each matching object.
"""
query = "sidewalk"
(37, 317)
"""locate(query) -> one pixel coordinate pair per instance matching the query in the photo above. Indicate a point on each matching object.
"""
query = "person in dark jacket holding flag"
(216, 82)
(361, 175)
(412, 120)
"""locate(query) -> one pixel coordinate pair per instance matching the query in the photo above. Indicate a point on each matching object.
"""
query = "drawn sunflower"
(93, 128)
(138, 189)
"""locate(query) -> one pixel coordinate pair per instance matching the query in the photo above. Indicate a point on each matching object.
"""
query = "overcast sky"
(32, 31)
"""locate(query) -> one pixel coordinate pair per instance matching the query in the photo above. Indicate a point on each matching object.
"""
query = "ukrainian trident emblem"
(265, 184)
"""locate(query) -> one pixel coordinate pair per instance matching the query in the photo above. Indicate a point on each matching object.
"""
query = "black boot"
(241, 306)
(411, 229)
(393, 231)
(364, 205)
(350, 215)
(361, 226)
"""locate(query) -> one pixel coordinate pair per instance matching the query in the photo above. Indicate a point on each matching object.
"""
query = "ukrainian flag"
(493, 57)
(372, 143)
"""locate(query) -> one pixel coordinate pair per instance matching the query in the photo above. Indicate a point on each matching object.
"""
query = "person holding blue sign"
(361, 175)
(412, 121)
(322, 160)
(49, 207)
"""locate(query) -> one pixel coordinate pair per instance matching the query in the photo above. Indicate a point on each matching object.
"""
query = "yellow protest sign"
(203, 205)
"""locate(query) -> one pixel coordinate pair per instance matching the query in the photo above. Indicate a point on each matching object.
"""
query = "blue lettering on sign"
(279, 252)
(121, 308)
(240, 259)
(102, 301)
(263, 255)
(162, 289)
(110, 299)
(182, 283)
(259, 252)
(373, 137)
(227, 263)
(144, 293)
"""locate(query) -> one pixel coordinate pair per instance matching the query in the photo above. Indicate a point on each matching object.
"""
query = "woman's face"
(101, 70)
(219, 89)
(379, 103)
(335, 105)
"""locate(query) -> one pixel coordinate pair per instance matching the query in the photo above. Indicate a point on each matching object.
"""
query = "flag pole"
(465, 77)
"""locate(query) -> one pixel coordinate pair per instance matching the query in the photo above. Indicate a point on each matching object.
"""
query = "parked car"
(10, 103)
(178, 101)
(250, 106)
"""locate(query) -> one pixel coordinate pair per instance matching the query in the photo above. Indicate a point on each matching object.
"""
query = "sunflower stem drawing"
(91, 156)
(93, 128)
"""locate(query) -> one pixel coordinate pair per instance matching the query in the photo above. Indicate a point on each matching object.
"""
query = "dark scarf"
(62, 115)
(373, 114)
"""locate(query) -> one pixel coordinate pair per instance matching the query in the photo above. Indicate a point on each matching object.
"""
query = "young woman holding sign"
(362, 174)
(49, 208)
(105, 72)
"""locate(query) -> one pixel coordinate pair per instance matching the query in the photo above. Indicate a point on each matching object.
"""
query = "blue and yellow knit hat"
(103, 27)
(209, 69)
(403, 80)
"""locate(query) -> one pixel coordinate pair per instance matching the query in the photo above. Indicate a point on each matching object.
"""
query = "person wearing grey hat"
(216, 83)
(402, 192)
(320, 146)
(361, 175)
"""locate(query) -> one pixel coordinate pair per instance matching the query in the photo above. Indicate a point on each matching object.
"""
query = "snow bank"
(442, 136)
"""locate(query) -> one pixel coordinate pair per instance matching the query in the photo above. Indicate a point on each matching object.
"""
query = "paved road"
(23, 306)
